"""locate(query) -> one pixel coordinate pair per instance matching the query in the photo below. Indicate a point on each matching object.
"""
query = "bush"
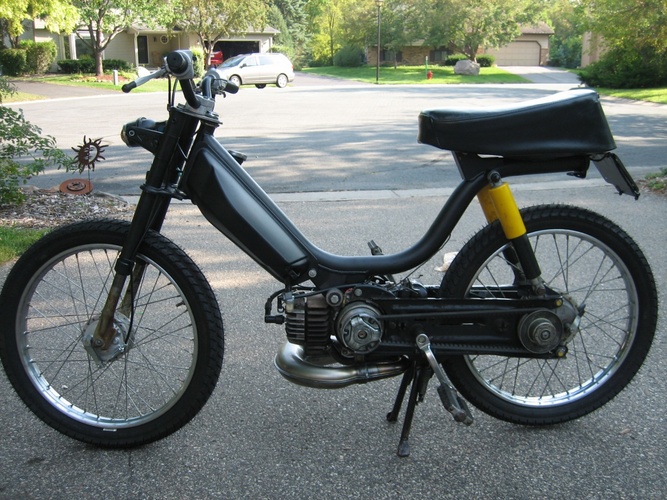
(13, 61)
(454, 58)
(39, 55)
(117, 64)
(198, 62)
(25, 153)
(486, 60)
(72, 66)
(349, 57)
(627, 69)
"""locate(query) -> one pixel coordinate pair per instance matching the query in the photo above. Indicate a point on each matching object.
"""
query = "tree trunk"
(99, 67)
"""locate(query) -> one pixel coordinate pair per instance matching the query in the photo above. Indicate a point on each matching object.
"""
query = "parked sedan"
(258, 69)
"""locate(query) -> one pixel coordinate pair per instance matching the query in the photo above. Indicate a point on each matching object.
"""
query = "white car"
(258, 69)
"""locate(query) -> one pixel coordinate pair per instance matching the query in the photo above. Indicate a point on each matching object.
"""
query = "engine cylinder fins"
(320, 373)
(308, 323)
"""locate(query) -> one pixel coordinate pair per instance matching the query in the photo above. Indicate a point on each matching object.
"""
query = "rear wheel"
(599, 269)
(281, 81)
(167, 352)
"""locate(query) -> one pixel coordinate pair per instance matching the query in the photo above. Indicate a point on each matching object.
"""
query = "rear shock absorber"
(498, 203)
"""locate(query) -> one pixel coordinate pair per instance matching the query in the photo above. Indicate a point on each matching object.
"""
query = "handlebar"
(179, 63)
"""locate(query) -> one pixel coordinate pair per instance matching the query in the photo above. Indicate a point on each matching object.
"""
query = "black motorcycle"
(112, 335)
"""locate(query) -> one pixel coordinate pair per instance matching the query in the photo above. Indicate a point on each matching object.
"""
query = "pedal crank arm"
(452, 402)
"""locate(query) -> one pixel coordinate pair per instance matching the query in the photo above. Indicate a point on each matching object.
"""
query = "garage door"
(517, 54)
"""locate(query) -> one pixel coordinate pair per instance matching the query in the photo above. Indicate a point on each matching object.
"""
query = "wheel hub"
(118, 345)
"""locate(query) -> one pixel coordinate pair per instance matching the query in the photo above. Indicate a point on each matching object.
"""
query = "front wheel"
(168, 347)
(236, 80)
(602, 273)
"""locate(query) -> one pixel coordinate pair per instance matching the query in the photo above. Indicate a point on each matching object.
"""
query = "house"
(142, 46)
(531, 48)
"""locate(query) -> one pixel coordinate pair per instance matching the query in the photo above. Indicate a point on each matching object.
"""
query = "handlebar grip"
(128, 87)
(179, 63)
(232, 88)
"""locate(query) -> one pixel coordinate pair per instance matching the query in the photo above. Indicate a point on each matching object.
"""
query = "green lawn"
(158, 85)
(415, 75)
(14, 241)
(658, 95)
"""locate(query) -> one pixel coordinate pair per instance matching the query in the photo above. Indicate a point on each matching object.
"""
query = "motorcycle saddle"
(564, 124)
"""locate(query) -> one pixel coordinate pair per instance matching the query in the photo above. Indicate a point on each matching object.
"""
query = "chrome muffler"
(316, 372)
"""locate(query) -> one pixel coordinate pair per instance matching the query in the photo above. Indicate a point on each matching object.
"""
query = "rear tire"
(282, 81)
(173, 340)
(589, 260)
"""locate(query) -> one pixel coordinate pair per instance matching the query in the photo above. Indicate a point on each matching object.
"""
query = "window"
(391, 56)
(438, 55)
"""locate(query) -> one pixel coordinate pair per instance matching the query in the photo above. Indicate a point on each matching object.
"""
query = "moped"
(112, 335)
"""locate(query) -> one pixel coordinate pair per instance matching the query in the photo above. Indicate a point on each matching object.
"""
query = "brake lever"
(128, 87)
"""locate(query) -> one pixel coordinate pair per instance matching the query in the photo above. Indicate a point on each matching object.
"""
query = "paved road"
(332, 137)
(261, 437)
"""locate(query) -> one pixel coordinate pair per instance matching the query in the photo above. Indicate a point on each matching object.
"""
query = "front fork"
(151, 209)
(498, 203)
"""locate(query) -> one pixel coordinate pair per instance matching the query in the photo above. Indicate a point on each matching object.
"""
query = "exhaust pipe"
(292, 364)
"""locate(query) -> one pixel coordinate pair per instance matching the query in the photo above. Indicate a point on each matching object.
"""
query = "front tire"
(594, 264)
(173, 338)
(236, 80)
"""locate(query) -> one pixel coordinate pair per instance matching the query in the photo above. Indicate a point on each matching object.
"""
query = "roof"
(537, 29)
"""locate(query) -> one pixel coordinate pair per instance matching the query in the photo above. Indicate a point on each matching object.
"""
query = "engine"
(347, 321)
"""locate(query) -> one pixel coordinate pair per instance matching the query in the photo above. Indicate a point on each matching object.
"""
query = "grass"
(415, 75)
(658, 95)
(14, 241)
(657, 181)
(157, 85)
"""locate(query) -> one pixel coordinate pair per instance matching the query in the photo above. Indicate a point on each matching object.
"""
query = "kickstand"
(419, 376)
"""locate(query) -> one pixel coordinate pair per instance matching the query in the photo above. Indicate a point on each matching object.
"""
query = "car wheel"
(236, 80)
(281, 81)
(260, 85)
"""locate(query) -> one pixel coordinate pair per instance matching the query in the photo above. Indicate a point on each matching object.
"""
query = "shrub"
(454, 58)
(24, 153)
(39, 55)
(13, 61)
(72, 66)
(349, 57)
(627, 68)
(117, 64)
(198, 61)
(486, 60)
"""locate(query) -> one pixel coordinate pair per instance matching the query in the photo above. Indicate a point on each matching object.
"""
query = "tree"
(213, 20)
(567, 20)
(466, 26)
(637, 24)
(634, 33)
(103, 20)
(58, 15)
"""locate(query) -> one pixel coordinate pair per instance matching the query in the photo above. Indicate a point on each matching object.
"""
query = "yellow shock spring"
(498, 203)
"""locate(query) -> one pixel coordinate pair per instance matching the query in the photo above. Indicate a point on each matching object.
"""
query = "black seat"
(564, 124)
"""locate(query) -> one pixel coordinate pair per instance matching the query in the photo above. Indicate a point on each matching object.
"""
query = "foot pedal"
(452, 402)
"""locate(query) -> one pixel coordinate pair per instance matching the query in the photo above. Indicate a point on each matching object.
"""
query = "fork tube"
(149, 214)
(507, 212)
